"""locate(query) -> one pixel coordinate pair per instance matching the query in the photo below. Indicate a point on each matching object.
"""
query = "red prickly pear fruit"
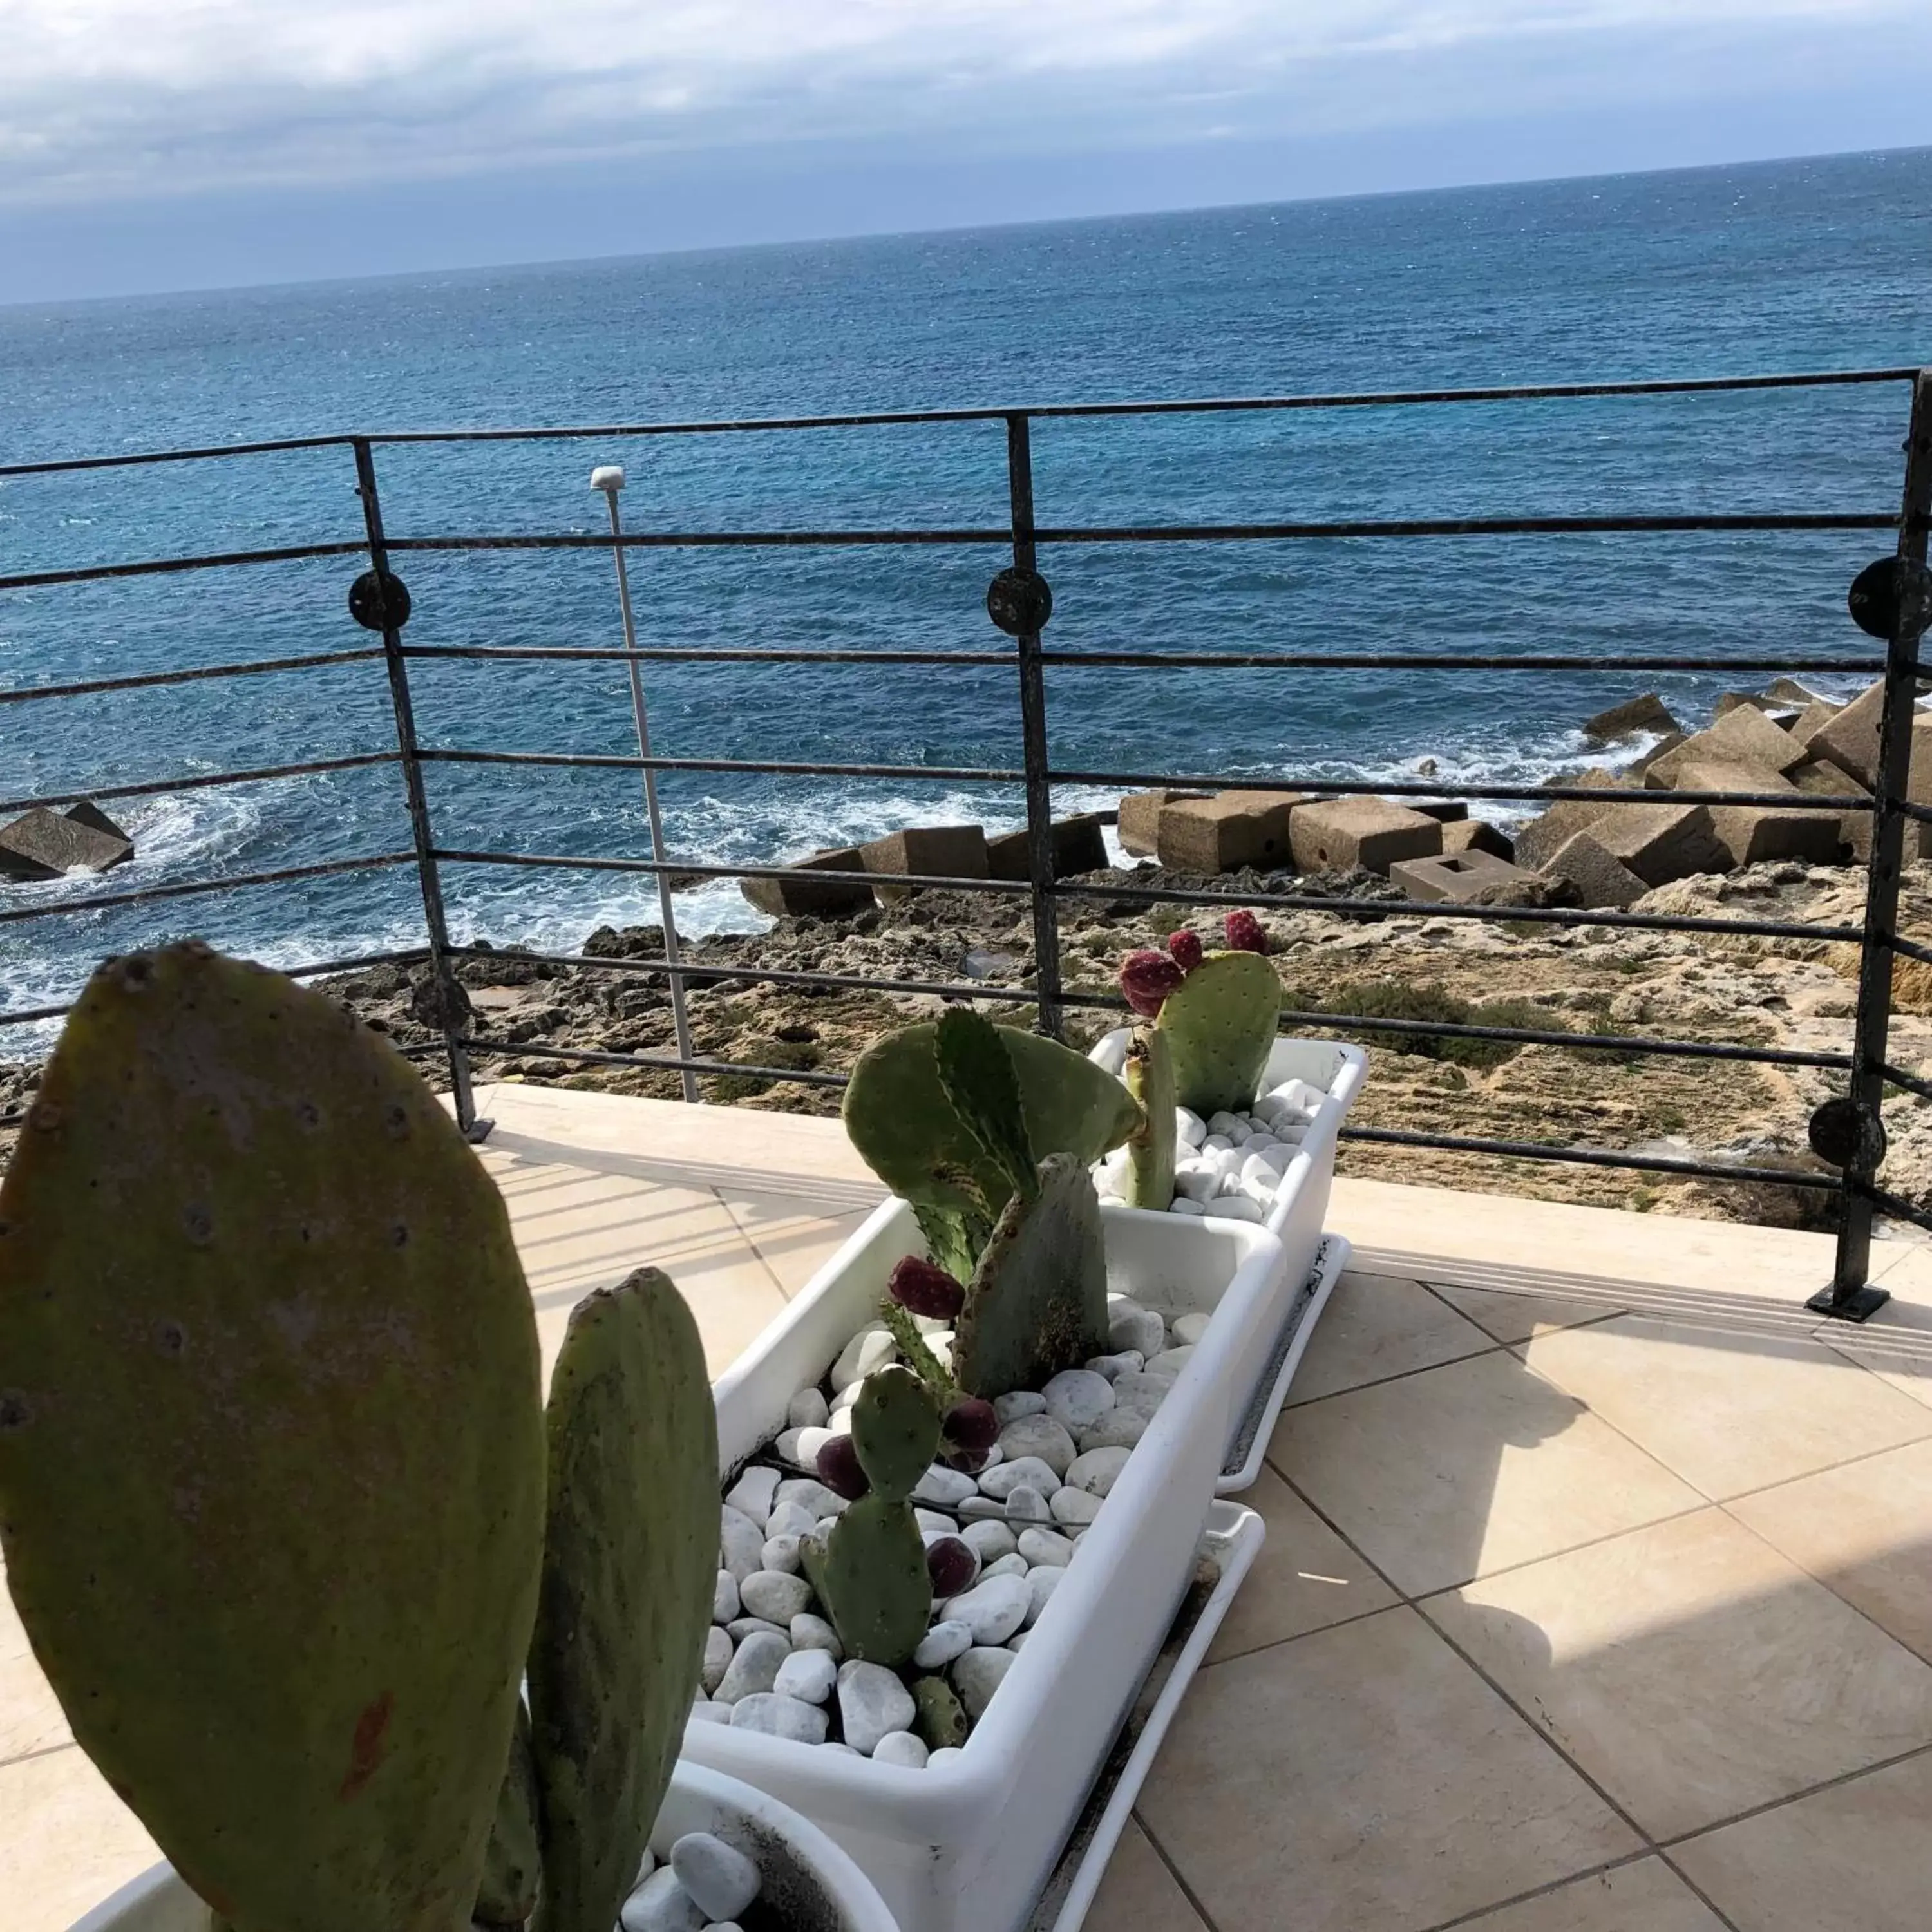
(839, 1470)
(951, 1565)
(1146, 978)
(1187, 950)
(1245, 933)
(967, 1462)
(921, 1288)
(970, 1423)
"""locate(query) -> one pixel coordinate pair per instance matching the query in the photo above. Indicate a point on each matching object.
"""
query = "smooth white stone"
(717, 1649)
(719, 1877)
(1045, 1546)
(1261, 1191)
(935, 1523)
(1170, 1362)
(1235, 1207)
(786, 1443)
(646, 1865)
(944, 1488)
(724, 1601)
(740, 1542)
(661, 1904)
(932, 1325)
(1306, 1100)
(1216, 1144)
(774, 1596)
(1120, 1428)
(808, 1409)
(751, 1495)
(946, 1754)
(872, 1702)
(1181, 1205)
(810, 1442)
(1041, 1584)
(1197, 1183)
(754, 1668)
(739, 1628)
(835, 1746)
(1257, 1169)
(989, 1541)
(807, 1675)
(1029, 1471)
(1188, 1329)
(790, 1520)
(872, 1347)
(1026, 1505)
(1112, 1200)
(1021, 1401)
(812, 1497)
(992, 1609)
(814, 1633)
(780, 1554)
(781, 1717)
(1111, 1366)
(1077, 1398)
(1039, 1436)
(1074, 1508)
(1017, 1642)
(706, 1713)
(1145, 1391)
(982, 1509)
(1189, 1127)
(1096, 1470)
(904, 1748)
(941, 1644)
(1015, 1565)
(1228, 1167)
(979, 1674)
(841, 1401)
(1131, 1326)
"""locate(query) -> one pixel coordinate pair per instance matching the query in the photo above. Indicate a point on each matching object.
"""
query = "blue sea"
(1809, 264)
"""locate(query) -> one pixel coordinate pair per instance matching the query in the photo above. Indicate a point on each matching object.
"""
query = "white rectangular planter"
(965, 1848)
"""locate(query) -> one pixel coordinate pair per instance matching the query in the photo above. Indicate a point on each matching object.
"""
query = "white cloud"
(102, 97)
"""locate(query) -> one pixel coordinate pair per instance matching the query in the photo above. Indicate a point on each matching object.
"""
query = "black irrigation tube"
(94, 687)
(1643, 1163)
(531, 1050)
(156, 787)
(106, 901)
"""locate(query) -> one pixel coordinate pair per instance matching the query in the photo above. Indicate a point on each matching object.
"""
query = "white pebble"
(1017, 1642)
(1074, 1508)
(903, 1748)
(989, 1541)
(1216, 1144)
(1234, 1207)
(1189, 1127)
(754, 1668)
(1171, 1362)
(1045, 1546)
(720, 1879)
(979, 1674)
(1120, 1428)
(724, 1603)
(780, 1554)
(809, 1410)
(811, 1632)
(1030, 1436)
(872, 1702)
(751, 1494)
(773, 1595)
(982, 1509)
(944, 1488)
(807, 1675)
(717, 1649)
(739, 1628)
(1188, 1329)
(1197, 1183)
(706, 1713)
(787, 1444)
(1098, 1470)
(790, 1520)
(1256, 1170)
(835, 1746)
(942, 1643)
(1111, 1366)
(1029, 1471)
(1145, 1392)
(992, 1609)
(1026, 1505)
(1078, 1398)
(1015, 1565)
(778, 1716)
(934, 1522)
(872, 1347)
(810, 1442)
(814, 1498)
(1131, 1326)
(1041, 1584)
(946, 1754)
(661, 1904)
(1021, 1401)
(1181, 1205)
(740, 1541)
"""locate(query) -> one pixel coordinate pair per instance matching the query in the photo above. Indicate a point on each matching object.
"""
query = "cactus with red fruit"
(1186, 949)
(1246, 933)
(919, 1286)
(1148, 979)
(1151, 1150)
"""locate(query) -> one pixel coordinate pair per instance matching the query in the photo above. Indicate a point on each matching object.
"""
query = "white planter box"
(821, 1889)
(966, 1847)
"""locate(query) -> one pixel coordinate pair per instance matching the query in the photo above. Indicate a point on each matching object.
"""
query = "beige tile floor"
(1595, 1597)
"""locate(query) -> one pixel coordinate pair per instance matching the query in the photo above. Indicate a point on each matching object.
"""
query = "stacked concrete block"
(1752, 833)
(1139, 821)
(1455, 878)
(795, 896)
(44, 845)
(1228, 831)
(1342, 835)
(1599, 877)
(1539, 842)
(1659, 843)
(1647, 713)
(1741, 737)
(1079, 846)
(927, 852)
(1477, 835)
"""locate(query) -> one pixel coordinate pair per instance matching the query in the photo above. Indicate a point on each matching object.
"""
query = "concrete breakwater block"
(1139, 820)
(1647, 713)
(1752, 833)
(1661, 843)
(1338, 835)
(927, 852)
(1079, 846)
(820, 898)
(1743, 736)
(1849, 740)
(1478, 835)
(1227, 832)
(1539, 841)
(1599, 877)
(43, 844)
(1454, 878)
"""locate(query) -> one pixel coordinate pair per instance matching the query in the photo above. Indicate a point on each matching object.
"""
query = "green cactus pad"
(630, 1562)
(271, 1446)
(513, 1867)
(975, 1073)
(900, 1120)
(1037, 1303)
(1220, 1026)
(1150, 1149)
(896, 1430)
(870, 1573)
(941, 1720)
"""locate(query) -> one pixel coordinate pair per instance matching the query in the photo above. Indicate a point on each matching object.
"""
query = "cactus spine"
(870, 1571)
(271, 1460)
(1220, 1026)
(630, 1558)
(1150, 1150)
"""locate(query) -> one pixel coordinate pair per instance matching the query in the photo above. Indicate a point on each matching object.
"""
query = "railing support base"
(1861, 1305)
(478, 1131)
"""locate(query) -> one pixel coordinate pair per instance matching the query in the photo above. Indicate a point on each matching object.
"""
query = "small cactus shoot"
(1151, 1150)
(1220, 1028)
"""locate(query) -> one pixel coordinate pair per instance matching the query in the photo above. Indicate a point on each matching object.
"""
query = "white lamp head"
(607, 476)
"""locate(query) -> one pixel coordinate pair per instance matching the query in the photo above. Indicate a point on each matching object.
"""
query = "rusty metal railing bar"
(707, 654)
(670, 1063)
(94, 687)
(1434, 661)
(1590, 1157)
(165, 566)
(1910, 948)
(158, 787)
(621, 762)
(1910, 1082)
(103, 901)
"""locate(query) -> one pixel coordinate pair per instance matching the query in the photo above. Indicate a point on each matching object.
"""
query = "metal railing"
(1892, 601)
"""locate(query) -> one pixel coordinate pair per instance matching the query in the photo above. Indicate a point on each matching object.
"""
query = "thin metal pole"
(1849, 1298)
(610, 479)
(1033, 742)
(451, 1001)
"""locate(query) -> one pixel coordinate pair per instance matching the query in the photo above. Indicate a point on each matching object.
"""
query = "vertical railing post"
(378, 601)
(1858, 1129)
(1020, 603)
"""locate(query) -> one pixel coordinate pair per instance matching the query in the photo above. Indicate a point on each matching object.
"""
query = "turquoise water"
(1812, 265)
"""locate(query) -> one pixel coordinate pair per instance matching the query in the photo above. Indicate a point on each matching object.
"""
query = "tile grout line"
(1683, 1838)
(45, 1751)
(1544, 1890)
(744, 1233)
(1400, 1375)
(1173, 1871)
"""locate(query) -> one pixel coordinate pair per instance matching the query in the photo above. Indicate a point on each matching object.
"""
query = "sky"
(154, 145)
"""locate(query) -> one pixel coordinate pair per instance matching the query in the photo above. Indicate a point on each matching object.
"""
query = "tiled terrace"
(1596, 1595)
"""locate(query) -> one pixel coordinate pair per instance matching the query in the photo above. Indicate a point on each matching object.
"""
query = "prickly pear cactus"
(977, 1075)
(513, 1867)
(941, 1719)
(1220, 1025)
(630, 1560)
(896, 1430)
(1150, 1149)
(901, 1121)
(270, 1447)
(1037, 1302)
